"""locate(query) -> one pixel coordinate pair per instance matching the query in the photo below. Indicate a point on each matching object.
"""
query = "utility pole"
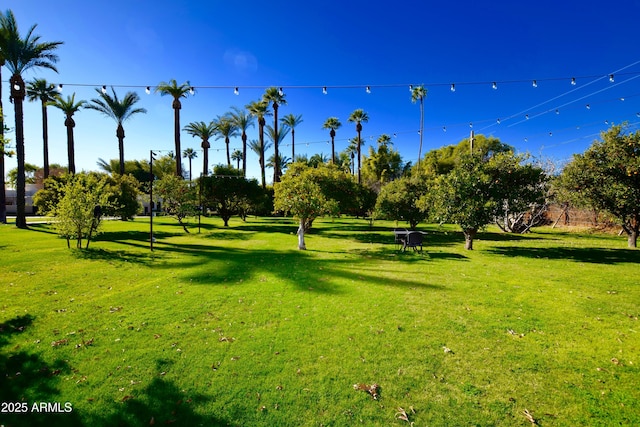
(472, 139)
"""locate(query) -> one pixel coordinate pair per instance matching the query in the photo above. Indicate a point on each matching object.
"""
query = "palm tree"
(40, 90)
(3, 197)
(21, 54)
(242, 120)
(275, 96)
(260, 109)
(119, 110)
(69, 107)
(332, 123)
(203, 131)
(225, 129)
(237, 156)
(190, 154)
(292, 121)
(259, 147)
(384, 141)
(419, 93)
(177, 92)
(351, 150)
(358, 117)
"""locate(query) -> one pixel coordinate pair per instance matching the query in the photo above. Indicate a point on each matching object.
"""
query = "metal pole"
(199, 203)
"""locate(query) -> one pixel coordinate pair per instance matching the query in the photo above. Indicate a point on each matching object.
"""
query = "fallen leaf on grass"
(529, 417)
(59, 342)
(371, 389)
(114, 309)
(447, 349)
(402, 414)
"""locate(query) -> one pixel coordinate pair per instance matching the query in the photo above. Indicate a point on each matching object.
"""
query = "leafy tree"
(242, 120)
(69, 107)
(332, 123)
(19, 55)
(189, 153)
(176, 91)
(120, 110)
(419, 93)
(29, 175)
(203, 131)
(292, 121)
(178, 198)
(228, 193)
(381, 165)
(40, 90)
(123, 197)
(259, 110)
(78, 213)
(607, 177)
(275, 97)
(520, 192)
(358, 117)
(444, 159)
(398, 200)
(304, 199)
(317, 160)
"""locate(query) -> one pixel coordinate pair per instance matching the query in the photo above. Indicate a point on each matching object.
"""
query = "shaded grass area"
(234, 326)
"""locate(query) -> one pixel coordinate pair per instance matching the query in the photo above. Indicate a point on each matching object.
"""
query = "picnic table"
(408, 239)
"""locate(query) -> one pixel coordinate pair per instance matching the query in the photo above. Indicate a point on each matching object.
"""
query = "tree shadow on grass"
(27, 378)
(211, 265)
(114, 255)
(42, 228)
(591, 255)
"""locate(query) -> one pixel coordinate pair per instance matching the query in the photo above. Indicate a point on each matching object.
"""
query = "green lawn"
(237, 327)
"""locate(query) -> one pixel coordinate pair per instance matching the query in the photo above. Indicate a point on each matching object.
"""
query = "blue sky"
(303, 46)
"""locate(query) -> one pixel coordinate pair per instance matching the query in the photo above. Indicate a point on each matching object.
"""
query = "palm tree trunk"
(3, 195)
(190, 169)
(205, 157)
(244, 154)
(69, 123)
(293, 145)
(176, 134)
(45, 139)
(421, 129)
(276, 157)
(120, 135)
(18, 94)
(332, 134)
(261, 136)
(359, 129)
(226, 141)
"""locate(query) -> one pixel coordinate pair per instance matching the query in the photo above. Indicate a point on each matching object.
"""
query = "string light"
(494, 85)
(148, 90)
(444, 128)
(60, 87)
(192, 90)
(557, 111)
(368, 89)
(498, 121)
(588, 107)
(410, 88)
(16, 86)
(453, 87)
(611, 79)
(280, 92)
(236, 91)
(573, 81)
(324, 90)
(104, 89)
(535, 83)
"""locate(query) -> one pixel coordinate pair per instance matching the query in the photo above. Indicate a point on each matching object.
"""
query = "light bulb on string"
(622, 99)
(588, 107)
(471, 125)
(148, 90)
(557, 111)
(444, 128)
(410, 88)
(611, 79)
(104, 89)
(16, 86)
(368, 89)
(192, 90)
(526, 117)
(453, 87)
(60, 87)
(535, 83)
(494, 85)
(573, 81)
(550, 133)
(280, 92)
(324, 90)
(498, 121)
(236, 91)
